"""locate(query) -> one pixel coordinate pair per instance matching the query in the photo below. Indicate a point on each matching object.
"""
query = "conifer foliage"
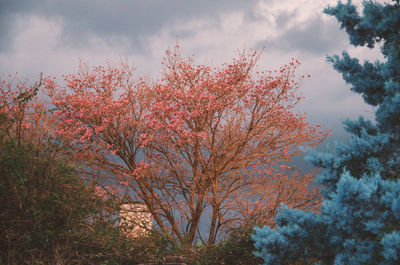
(359, 221)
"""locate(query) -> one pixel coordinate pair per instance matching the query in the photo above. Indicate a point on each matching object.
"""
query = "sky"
(53, 36)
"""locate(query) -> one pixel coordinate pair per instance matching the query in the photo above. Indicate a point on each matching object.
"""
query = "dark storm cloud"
(316, 36)
(113, 18)
(8, 10)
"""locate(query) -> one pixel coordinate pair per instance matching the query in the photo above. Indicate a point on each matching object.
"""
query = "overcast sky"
(51, 36)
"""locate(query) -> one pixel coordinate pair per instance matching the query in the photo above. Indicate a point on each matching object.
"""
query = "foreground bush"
(48, 214)
(236, 248)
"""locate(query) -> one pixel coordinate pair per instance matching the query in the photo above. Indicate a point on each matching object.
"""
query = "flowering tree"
(23, 117)
(192, 142)
(359, 219)
(282, 184)
(101, 115)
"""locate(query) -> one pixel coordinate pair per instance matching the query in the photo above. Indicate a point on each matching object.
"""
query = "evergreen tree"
(359, 222)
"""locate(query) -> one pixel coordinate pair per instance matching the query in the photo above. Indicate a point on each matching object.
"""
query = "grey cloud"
(6, 36)
(284, 18)
(8, 10)
(316, 36)
(105, 18)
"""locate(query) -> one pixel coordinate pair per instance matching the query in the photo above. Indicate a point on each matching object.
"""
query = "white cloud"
(232, 22)
(39, 46)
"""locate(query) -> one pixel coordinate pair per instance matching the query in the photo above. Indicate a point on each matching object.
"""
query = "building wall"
(135, 219)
